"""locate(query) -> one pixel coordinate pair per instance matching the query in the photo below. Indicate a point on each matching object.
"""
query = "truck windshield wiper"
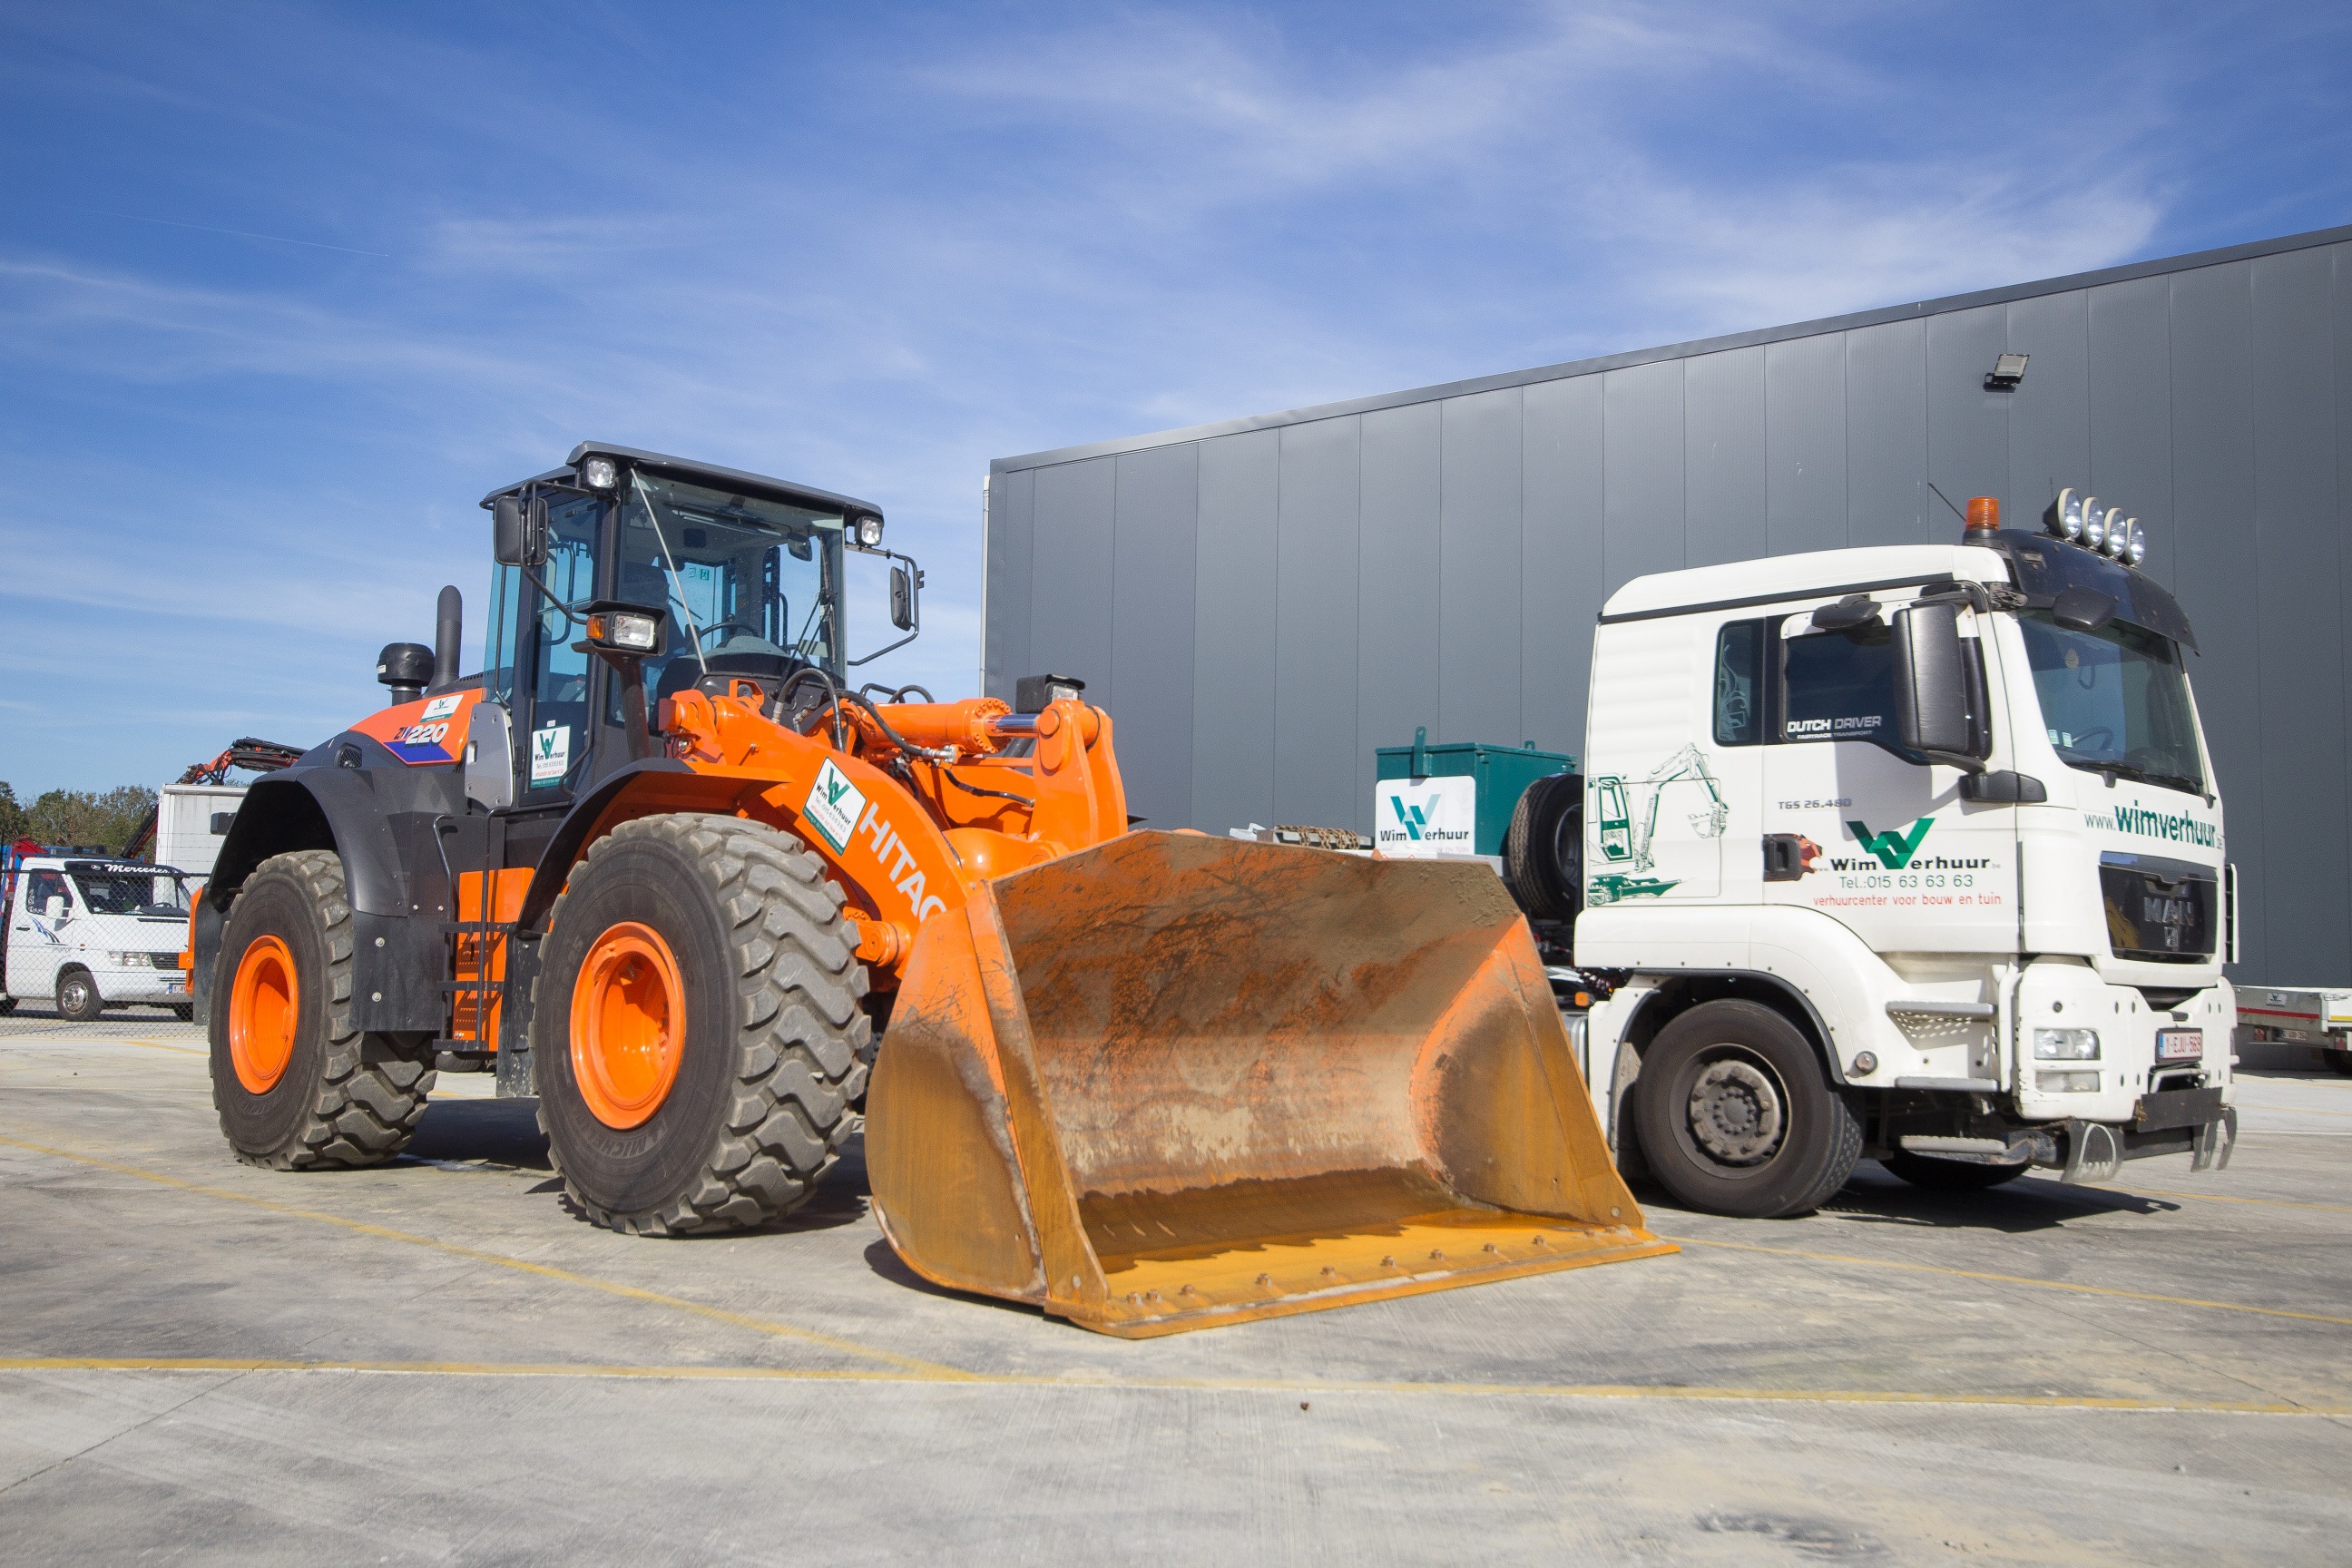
(2144, 775)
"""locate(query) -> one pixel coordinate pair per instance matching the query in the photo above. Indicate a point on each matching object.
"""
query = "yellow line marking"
(1166, 1385)
(2010, 1280)
(932, 1369)
(160, 1046)
(2224, 1198)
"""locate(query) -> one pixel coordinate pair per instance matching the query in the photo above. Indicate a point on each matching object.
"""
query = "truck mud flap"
(1176, 1081)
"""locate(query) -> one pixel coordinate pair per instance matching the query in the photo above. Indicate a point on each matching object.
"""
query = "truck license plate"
(2179, 1044)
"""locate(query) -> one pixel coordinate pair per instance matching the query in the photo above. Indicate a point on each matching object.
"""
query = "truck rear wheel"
(297, 1086)
(696, 1027)
(1950, 1175)
(1737, 1118)
(2339, 1061)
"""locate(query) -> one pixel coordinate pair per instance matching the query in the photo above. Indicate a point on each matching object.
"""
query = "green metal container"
(1503, 775)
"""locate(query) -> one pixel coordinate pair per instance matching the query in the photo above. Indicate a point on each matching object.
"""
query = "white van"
(93, 934)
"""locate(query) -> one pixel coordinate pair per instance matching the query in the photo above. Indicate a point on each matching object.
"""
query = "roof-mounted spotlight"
(2118, 532)
(599, 474)
(2006, 372)
(2065, 518)
(2094, 524)
(2135, 545)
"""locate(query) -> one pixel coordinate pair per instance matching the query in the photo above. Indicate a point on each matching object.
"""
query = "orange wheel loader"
(661, 865)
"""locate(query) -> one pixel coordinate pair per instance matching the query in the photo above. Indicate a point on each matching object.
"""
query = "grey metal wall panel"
(1643, 471)
(1478, 634)
(1153, 579)
(2213, 498)
(1968, 427)
(2299, 569)
(1886, 497)
(1315, 630)
(1234, 617)
(1069, 625)
(2048, 419)
(1804, 445)
(1398, 602)
(1561, 581)
(1012, 517)
(1348, 561)
(1723, 454)
(2131, 408)
(2341, 338)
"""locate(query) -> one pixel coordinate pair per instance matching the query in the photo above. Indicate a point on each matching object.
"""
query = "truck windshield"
(749, 583)
(2115, 700)
(132, 890)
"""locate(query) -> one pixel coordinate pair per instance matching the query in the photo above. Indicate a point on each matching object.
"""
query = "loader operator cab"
(746, 576)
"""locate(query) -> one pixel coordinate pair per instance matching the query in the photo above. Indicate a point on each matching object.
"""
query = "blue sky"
(284, 289)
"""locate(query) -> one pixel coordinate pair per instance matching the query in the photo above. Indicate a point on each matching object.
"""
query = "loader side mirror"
(1931, 685)
(906, 602)
(519, 532)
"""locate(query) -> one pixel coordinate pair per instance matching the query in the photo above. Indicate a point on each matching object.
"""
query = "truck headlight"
(2066, 1082)
(124, 960)
(2066, 1046)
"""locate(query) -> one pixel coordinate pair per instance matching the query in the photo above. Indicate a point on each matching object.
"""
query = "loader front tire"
(1737, 1117)
(696, 1025)
(297, 1086)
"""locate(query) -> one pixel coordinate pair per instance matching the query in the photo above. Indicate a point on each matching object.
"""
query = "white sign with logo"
(834, 806)
(1419, 819)
(550, 753)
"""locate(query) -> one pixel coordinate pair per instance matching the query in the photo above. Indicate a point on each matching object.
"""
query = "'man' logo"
(1412, 816)
(1894, 847)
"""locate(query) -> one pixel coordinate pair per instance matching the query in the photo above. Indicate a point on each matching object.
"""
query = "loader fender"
(351, 795)
(642, 789)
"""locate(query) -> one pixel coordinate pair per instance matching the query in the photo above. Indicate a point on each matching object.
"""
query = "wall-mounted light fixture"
(2006, 372)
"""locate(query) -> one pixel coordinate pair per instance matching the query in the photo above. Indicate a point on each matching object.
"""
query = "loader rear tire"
(297, 1086)
(1543, 851)
(1737, 1117)
(717, 1040)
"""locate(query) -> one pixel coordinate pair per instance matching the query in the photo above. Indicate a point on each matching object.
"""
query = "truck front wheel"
(78, 998)
(1736, 1117)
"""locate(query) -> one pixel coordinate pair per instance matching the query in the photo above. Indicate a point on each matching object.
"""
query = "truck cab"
(1914, 853)
(91, 933)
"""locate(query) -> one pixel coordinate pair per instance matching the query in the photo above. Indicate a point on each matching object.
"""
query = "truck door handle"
(1787, 856)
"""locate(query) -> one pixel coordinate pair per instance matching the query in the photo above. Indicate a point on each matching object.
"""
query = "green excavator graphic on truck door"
(1627, 841)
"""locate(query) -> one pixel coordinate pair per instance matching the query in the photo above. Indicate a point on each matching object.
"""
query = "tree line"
(108, 818)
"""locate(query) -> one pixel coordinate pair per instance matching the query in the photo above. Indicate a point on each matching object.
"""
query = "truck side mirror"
(54, 907)
(1931, 685)
(519, 532)
(905, 603)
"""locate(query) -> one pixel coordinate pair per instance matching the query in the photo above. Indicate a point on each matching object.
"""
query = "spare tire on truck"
(696, 1032)
(296, 1085)
(1543, 850)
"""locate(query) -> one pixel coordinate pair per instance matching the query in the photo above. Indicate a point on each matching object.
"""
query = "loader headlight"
(2066, 1046)
(2066, 1082)
(868, 529)
(599, 474)
(623, 629)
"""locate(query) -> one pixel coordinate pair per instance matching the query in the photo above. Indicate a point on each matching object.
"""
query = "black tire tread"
(372, 1092)
(1527, 871)
(800, 1035)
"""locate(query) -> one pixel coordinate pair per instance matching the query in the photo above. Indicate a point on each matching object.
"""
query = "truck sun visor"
(2047, 569)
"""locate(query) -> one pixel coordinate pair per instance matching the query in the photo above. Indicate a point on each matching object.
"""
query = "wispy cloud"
(873, 253)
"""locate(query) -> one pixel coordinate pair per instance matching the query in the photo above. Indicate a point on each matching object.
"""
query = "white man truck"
(1912, 853)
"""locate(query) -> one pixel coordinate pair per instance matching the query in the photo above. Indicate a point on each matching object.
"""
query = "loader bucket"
(1175, 1081)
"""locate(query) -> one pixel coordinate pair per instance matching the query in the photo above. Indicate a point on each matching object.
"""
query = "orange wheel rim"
(264, 1007)
(628, 1025)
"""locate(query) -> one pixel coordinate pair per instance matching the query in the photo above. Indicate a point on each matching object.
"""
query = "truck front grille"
(2159, 909)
